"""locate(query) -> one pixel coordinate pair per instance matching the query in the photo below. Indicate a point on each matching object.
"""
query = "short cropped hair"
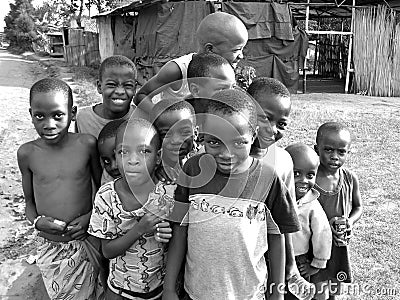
(265, 85)
(169, 105)
(329, 127)
(48, 85)
(202, 63)
(232, 101)
(110, 130)
(116, 61)
(134, 124)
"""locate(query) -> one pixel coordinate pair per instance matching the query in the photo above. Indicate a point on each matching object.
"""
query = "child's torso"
(62, 179)
(337, 202)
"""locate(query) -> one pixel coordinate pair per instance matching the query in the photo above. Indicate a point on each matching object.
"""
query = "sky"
(5, 8)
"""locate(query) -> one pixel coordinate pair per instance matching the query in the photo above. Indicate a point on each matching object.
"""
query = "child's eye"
(213, 143)
(123, 151)
(129, 86)
(106, 161)
(296, 173)
(111, 85)
(328, 150)
(241, 143)
(58, 116)
(310, 176)
(39, 117)
(282, 125)
(342, 152)
(145, 151)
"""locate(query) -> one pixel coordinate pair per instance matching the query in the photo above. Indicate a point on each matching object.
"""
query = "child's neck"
(326, 179)
(107, 114)
(134, 196)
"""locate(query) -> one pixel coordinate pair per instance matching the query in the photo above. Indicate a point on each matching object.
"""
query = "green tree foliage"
(20, 27)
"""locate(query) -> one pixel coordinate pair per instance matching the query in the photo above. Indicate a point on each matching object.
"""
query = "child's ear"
(30, 111)
(255, 134)
(98, 84)
(316, 149)
(209, 48)
(73, 113)
(194, 89)
(158, 157)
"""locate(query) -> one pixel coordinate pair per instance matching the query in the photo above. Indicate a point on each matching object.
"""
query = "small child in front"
(234, 207)
(340, 198)
(117, 86)
(175, 121)
(106, 146)
(57, 171)
(129, 213)
(315, 228)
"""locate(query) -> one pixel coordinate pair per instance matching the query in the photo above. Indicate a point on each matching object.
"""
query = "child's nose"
(119, 89)
(225, 153)
(50, 124)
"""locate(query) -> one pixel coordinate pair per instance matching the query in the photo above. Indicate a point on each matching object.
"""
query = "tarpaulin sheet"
(168, 30)
(274, 48)
(277, 58)
(263, 19)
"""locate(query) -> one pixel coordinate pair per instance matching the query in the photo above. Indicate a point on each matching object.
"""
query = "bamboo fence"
(376, 52)
(82, 48)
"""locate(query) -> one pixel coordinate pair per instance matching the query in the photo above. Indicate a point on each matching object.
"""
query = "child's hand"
(163, 232)
(338, 237)
(77, 228)
(306, 270)
(162, 175)
(169, 295)
(349, 230)
(47, 225)
(148, 223)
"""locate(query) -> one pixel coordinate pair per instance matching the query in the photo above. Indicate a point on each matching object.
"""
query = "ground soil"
(19, 280)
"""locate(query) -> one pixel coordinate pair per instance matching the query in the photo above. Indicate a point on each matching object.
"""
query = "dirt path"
(18, 279)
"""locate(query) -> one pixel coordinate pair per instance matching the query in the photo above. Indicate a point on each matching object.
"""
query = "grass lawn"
(375, 157)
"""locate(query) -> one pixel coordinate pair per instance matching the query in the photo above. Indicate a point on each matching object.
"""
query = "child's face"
(305, 172)
(107, 156)
(276, 110)
(117, 87)
(333, 148)
(51, 115)
(137, 156)
(220, 78)
(232, 49)
(228, 138)
(176, 130)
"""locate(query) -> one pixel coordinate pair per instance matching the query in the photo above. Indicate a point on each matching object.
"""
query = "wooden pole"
(305, 58)
(349, 54)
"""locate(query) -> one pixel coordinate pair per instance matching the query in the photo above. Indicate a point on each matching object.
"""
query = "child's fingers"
(163, 224)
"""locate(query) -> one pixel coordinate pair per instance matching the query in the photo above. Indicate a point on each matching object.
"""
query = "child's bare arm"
(276, 245)
(170, 72)
(27, 179)
(176, 254)
(116, 247)
(357, 207)
(95, 166)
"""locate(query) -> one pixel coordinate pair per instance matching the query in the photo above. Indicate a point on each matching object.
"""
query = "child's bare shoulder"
(25, 150)
(84, 139)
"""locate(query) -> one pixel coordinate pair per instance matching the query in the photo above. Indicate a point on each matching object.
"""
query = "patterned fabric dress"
(141, 268)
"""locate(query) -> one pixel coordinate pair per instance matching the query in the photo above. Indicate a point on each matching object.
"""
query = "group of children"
(193, 200)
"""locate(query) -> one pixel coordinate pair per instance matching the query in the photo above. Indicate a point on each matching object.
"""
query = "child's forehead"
(239, 121)
(118, 71)
(171, 117)
(49, 98)
(271, 100)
